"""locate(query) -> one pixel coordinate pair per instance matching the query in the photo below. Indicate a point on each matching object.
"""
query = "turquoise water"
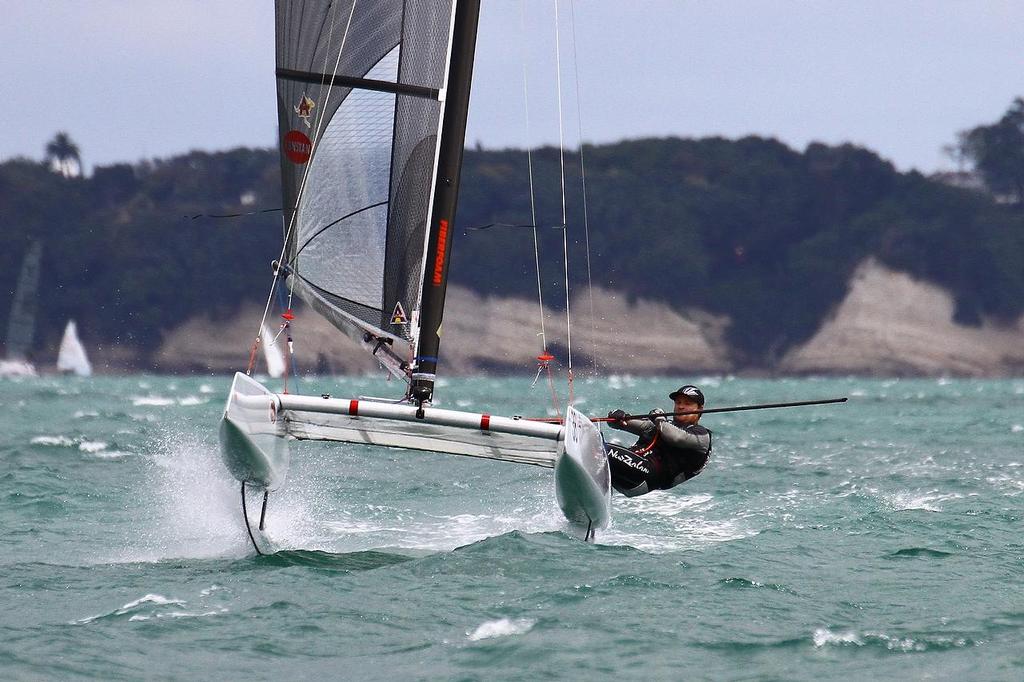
(880, 539)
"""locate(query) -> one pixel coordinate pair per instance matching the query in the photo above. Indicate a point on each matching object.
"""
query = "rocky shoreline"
(889, 324)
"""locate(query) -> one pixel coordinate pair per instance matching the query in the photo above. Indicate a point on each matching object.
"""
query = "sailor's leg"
(632, 474)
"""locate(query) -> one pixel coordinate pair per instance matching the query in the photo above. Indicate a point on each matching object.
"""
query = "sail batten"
(360, 83)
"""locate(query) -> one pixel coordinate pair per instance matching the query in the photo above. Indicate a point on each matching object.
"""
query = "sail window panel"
(342, 214)
(350, 173)
(348, 262)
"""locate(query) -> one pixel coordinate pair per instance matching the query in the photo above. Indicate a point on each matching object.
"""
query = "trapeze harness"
(664, 456)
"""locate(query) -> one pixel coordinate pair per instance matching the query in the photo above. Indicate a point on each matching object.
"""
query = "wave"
(744, 583)
(143, 608)
(328, 561)
(97, 448)
(827, 638)
(824, 637)
(503, 627)
(163, 401)
(919, 553)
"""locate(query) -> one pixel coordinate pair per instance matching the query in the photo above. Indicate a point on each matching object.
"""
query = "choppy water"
(881, 539)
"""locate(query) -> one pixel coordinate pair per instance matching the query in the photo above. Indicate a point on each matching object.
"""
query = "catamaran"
(372, 107)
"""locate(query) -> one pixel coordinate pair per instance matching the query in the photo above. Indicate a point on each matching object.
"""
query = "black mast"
(446, 194)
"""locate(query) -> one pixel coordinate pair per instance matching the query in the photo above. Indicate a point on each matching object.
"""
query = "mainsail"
(21, 324)
(72, 356)
(362, 91)
(272, 353)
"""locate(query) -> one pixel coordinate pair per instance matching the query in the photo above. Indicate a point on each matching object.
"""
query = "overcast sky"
(131, 79)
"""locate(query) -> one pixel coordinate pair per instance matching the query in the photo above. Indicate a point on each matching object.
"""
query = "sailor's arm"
(694, 438)
(645, 428)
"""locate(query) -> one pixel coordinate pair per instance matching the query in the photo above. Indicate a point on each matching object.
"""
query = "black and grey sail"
(21, 323)
(361, 102)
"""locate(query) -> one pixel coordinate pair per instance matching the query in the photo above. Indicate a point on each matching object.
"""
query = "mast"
(445, 198)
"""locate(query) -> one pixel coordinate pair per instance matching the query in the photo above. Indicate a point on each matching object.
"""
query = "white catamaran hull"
(258, 424)
(582, 476)
(16, 368)
(253, 437)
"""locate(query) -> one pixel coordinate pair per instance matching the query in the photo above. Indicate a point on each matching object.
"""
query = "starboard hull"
(582, 477)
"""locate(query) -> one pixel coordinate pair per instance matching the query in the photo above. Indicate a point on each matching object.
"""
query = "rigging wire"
(565, 226)
(529, 163)
(233, 215)
(583, 180)
(305, 174)
(544, 358)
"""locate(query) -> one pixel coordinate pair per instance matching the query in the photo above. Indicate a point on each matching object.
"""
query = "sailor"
(667, 452)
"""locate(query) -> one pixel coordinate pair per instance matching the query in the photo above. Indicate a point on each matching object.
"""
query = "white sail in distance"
(72, 356)
(272, 353)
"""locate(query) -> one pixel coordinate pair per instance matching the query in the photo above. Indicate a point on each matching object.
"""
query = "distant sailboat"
(72, 357)
(21, 324)
(271, 353)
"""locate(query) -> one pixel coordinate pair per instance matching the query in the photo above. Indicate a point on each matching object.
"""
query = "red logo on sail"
(297, 146)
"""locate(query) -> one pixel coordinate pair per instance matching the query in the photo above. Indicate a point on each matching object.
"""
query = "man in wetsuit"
(667, 452)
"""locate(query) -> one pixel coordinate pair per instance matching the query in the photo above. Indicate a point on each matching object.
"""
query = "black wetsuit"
(664, 456)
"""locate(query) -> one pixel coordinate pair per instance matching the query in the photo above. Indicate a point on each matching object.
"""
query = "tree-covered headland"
(749, 228)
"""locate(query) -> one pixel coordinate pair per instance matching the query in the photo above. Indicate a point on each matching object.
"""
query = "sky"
(134, 79)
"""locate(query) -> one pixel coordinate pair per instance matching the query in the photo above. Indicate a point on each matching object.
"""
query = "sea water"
(877, 539)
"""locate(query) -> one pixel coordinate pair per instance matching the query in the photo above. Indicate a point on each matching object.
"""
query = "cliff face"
(480, 334)
(640, 337)
(203, 344)
(892, 324)
(889, 324)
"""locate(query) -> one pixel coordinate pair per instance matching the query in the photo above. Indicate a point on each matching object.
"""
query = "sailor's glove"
(618, 419)
(657, 415)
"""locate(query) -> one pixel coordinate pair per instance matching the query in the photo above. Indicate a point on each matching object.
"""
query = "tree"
(63, 155)
(997, 152)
